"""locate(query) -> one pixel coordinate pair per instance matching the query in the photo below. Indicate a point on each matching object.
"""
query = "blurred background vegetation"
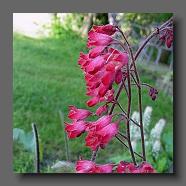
(46, 79)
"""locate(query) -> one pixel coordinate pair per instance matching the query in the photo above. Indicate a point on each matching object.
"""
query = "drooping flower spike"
(100, 74)
(103, 66)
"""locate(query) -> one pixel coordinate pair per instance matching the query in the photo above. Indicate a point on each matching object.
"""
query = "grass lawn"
(46, 79)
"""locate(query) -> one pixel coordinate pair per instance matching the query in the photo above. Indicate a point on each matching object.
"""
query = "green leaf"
(27, 139)
(18, 134)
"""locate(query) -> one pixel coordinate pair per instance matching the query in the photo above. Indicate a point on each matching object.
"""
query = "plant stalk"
(37, 150)
(128, 116)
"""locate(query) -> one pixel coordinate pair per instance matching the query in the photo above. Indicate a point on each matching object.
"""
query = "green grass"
(46, 79)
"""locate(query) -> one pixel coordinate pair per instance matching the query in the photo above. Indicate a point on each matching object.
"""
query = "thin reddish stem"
(94, 154)
(128, 147)
(128, 116)
(139, 93)
(125, 114)
(116, 98)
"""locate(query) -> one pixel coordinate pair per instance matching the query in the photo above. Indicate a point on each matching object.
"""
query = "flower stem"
(128, 147)
(141, 124)
(128, 116)
(116, 98)
(123, 135)
(138, 83)
(154, 33)
(139, 96)
(94, 154)
(37, 150)
(125, 115)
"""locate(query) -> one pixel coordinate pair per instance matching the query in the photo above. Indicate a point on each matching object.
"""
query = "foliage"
(160, 156)
(101, 19)
(56, 29)
(23, 160)
(75, 20)
(27, 139)
(145, 19)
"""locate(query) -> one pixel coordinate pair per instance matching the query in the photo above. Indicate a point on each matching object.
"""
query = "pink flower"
(167, 36)
(107, 133)
(102, 122)
(121, 59)
(146, 168)
(102, 66)
(95, 85)
(83, 60)
(117, 58)
(93, 78)
(105, 29)
(98, 39)
(100, 132)
(109, 96)
(78, 114)
(75, 129)
(96, 51)
(118, 77)
(153, 93)
(126, 167)
(110, 67)
(85, 166)
(102, 89)
(108, 78)
(169, 41)
(95, 65)
(93, 93)
(93, 140)
(107, 168)
(93, 101)
(102, 109)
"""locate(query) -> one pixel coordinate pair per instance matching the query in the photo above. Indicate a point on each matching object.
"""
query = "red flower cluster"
(153, 93)
(100, 132)
(100, 35)
(125, 167)
(86, 166)
(78, 114)
(75, 129)
(102, 65)
(101, 110)
(167, 36)
(78, 125)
